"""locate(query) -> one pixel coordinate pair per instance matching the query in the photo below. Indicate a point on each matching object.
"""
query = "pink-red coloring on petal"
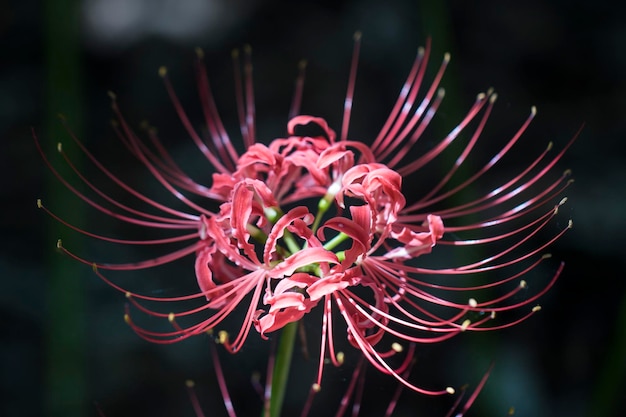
(324, 225)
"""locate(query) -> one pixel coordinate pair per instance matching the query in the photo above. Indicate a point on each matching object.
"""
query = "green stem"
(64, 376)
(607, 392)
(290, 241)
(323, 205)
(281, 367)
(334, 242)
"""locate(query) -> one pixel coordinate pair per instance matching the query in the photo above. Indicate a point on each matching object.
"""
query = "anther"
(127, 318)
(493, 314)
(171, 317)
(522, 284)
(112, 95)
(199, 52)
(316, 387)
(550, 144)
(441, 92)
(446, 57)
(493, 98)
(472, 302)
(340, 357)
(59, 244)
(222, 336)
(567, 172)
(465, 324)
(533, 110)
(39, 204)
(546, 256)
(536, 309)
(128, 294)
(162, 71)
(481, 96)
(189, 383)
(59, 147)
(302, 64)
(570, 224)
(357, 35)
(450, 390)
(397, 347)
(247, 49)
(563, 201)
(94, 267)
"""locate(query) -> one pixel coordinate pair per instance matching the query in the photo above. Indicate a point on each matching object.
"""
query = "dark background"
(565, 57)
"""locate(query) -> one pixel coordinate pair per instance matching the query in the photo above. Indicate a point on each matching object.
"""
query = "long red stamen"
(347, 104)
(220, 138)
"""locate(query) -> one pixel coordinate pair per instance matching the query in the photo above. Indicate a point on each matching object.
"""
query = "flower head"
(325, 222)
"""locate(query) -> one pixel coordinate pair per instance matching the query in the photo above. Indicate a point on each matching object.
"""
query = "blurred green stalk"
(64, 374)
(607, 397)
(281, 367)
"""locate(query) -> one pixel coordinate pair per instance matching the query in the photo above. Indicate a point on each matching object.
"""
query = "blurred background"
(64, 347)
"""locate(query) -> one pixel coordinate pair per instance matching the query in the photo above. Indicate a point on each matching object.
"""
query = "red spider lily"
(359, 251)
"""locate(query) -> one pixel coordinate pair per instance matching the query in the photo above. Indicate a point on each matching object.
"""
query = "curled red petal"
(303, 258)
(305, 120)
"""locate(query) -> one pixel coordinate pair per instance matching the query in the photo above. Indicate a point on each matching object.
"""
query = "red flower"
(358, 252)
